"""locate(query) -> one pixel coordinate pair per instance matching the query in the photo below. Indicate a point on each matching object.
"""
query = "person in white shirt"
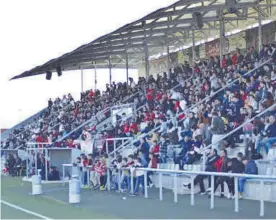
(139, 176)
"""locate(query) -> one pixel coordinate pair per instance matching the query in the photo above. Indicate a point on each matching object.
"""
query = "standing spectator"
(217, 129)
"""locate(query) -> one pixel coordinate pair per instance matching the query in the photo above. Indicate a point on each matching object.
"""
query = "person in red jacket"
(224, 62)
(235, 58)
(133, 127)
(221, 166)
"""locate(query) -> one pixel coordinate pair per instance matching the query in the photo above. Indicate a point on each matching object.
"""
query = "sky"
(33, 32)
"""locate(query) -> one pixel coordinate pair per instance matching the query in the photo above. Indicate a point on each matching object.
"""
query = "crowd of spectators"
(196, 114)
(174, 124)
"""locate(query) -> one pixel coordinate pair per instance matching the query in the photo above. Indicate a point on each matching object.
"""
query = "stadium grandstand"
(197, 128)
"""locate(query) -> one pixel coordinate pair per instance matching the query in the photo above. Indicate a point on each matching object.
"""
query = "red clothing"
(235, 59)
(85, 163)
(150, 94)
(177, 105)
(156, 149)
(126, 128)
(223, 62)
(134, 128)
(181, 116)
(218, 163)
(40, 139)
(91, 93)
(99, 168)
(159, 96)
(154, 162)
(76, 111)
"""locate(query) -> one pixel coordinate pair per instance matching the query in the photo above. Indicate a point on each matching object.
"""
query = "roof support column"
(222, 39)
(146, 50)
(169, 62)
(110, 72)
(81, 79)
(127, 67)
(95, 75)
(260, 42)
(193, 47)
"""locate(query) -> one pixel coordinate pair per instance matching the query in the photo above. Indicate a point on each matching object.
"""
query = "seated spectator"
(250, 167)
(53, 174)
(267, 137)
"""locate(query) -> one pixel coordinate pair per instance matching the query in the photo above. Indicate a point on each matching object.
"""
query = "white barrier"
(192, 174)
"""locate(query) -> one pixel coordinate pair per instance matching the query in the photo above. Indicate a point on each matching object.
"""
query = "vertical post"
(127, 67)
(146, 50)
(131, 182)
(168, 59)
(106, 146)
(81, 79)
(27, 165)
(192, 191)
(175, 187)
(119, 180)
(63, 174)
(236, 194)
(110, 73)
(262, 199)
(95, 75)
(35, 161)
(108, 179)
(212, 192)
(46, 164)
(222, 39)
(193, 47)
(88, 177)
(114, 146)
(146, 183)
(160, 187)
(260, 28)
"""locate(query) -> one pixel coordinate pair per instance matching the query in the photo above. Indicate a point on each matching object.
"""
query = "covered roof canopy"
(171, 26)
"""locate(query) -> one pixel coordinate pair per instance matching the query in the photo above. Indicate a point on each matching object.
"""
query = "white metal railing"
(200, 102)
(150, 132)
(114, 144)
(191, 174)
(203, 150)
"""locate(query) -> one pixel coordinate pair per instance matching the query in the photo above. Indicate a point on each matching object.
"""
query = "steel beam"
(127, 67)
(260, 42)
(222, 39)
(146, 50)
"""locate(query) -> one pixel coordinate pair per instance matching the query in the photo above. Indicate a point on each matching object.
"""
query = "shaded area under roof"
(171, 25)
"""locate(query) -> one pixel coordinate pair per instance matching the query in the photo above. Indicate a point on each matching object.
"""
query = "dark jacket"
(251, 168)
(237, 166)
(210, 163)
(164, 147)
(217, 125)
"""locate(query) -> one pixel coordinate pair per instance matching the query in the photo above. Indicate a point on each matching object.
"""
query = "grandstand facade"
(204, 102)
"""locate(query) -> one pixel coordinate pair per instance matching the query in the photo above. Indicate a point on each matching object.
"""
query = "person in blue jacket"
(250, 167)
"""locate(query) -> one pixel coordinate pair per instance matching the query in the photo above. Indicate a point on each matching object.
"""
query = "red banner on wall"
(212, 48)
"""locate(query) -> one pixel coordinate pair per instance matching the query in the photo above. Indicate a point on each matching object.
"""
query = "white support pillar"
(146, 50)
(81, 79)
(95, 75)
(193, 47)
(168, 59)
(222, 39)
(127, 67)
(260, 42)
(110, 72)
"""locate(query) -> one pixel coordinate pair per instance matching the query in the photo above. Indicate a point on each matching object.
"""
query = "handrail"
(142, 135)
(198, 103)
(83, 124)
(203, 150)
